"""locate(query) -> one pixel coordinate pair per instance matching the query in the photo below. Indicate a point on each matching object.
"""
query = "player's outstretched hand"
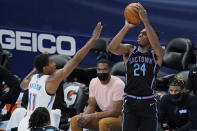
(97, 31)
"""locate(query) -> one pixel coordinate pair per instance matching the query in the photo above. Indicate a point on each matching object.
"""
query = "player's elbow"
(113, 50)
(161, 52)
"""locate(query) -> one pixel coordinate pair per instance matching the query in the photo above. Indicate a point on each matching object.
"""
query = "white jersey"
(38, 96)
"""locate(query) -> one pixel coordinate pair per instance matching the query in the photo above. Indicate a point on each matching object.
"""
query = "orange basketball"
(131, 14)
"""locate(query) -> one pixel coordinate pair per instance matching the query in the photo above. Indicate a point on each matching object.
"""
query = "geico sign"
(27, 41)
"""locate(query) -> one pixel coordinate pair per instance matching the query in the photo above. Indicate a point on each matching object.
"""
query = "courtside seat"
(6, 58)
(60, 60)
(118, 70)
(100, 50)
(178, 57)
(178, 54)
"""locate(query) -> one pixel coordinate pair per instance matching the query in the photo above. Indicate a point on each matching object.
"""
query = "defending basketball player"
(142, 64)
(44, 80)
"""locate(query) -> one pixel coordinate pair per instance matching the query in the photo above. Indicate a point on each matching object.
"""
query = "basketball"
(131, 14)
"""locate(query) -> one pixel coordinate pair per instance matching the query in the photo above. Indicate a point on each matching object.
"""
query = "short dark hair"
(177, 81)
(40, 61)
(104, 61)
(39, 118)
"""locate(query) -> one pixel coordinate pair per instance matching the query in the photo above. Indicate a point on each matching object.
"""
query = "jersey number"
(32, 101)
(141, 68)
(33, 98)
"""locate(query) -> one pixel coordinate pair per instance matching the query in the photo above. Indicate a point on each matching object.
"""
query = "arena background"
(28, 27)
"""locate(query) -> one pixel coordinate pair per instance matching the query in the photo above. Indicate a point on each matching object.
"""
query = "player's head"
(39, 118)
(176, 88)
(143, 40)
(103, 70)
(44, 64)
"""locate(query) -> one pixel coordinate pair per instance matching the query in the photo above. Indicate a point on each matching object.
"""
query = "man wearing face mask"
(105, 92)
(177, 109)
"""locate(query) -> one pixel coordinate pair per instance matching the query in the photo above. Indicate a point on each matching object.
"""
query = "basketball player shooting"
(44, 80)
(142, 64)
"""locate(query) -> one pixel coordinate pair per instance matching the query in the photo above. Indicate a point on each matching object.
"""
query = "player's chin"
(142, 45)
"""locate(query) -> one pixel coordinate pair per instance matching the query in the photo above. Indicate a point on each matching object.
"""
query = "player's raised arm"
(24, 84)
(152, 36)
(61, 74)
(115, 45)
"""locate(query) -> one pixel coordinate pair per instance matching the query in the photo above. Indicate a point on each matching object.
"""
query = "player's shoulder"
(35, 76)
(130, 47)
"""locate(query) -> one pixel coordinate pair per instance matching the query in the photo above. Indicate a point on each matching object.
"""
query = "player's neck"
(40, 74)
(144, 49)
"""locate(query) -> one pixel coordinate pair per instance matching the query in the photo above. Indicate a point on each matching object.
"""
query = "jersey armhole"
(131, 52)
(156, 64)
(46, 87)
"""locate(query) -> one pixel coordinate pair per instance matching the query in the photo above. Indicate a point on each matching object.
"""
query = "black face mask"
(177, 97)
(103, 76)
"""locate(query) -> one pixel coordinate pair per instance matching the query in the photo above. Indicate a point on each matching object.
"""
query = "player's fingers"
(136, 9)
(140, 6)
(99, 26)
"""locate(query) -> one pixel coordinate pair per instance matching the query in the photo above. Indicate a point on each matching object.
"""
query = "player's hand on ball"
(97, 31)
(142, 12)
(129, 25)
